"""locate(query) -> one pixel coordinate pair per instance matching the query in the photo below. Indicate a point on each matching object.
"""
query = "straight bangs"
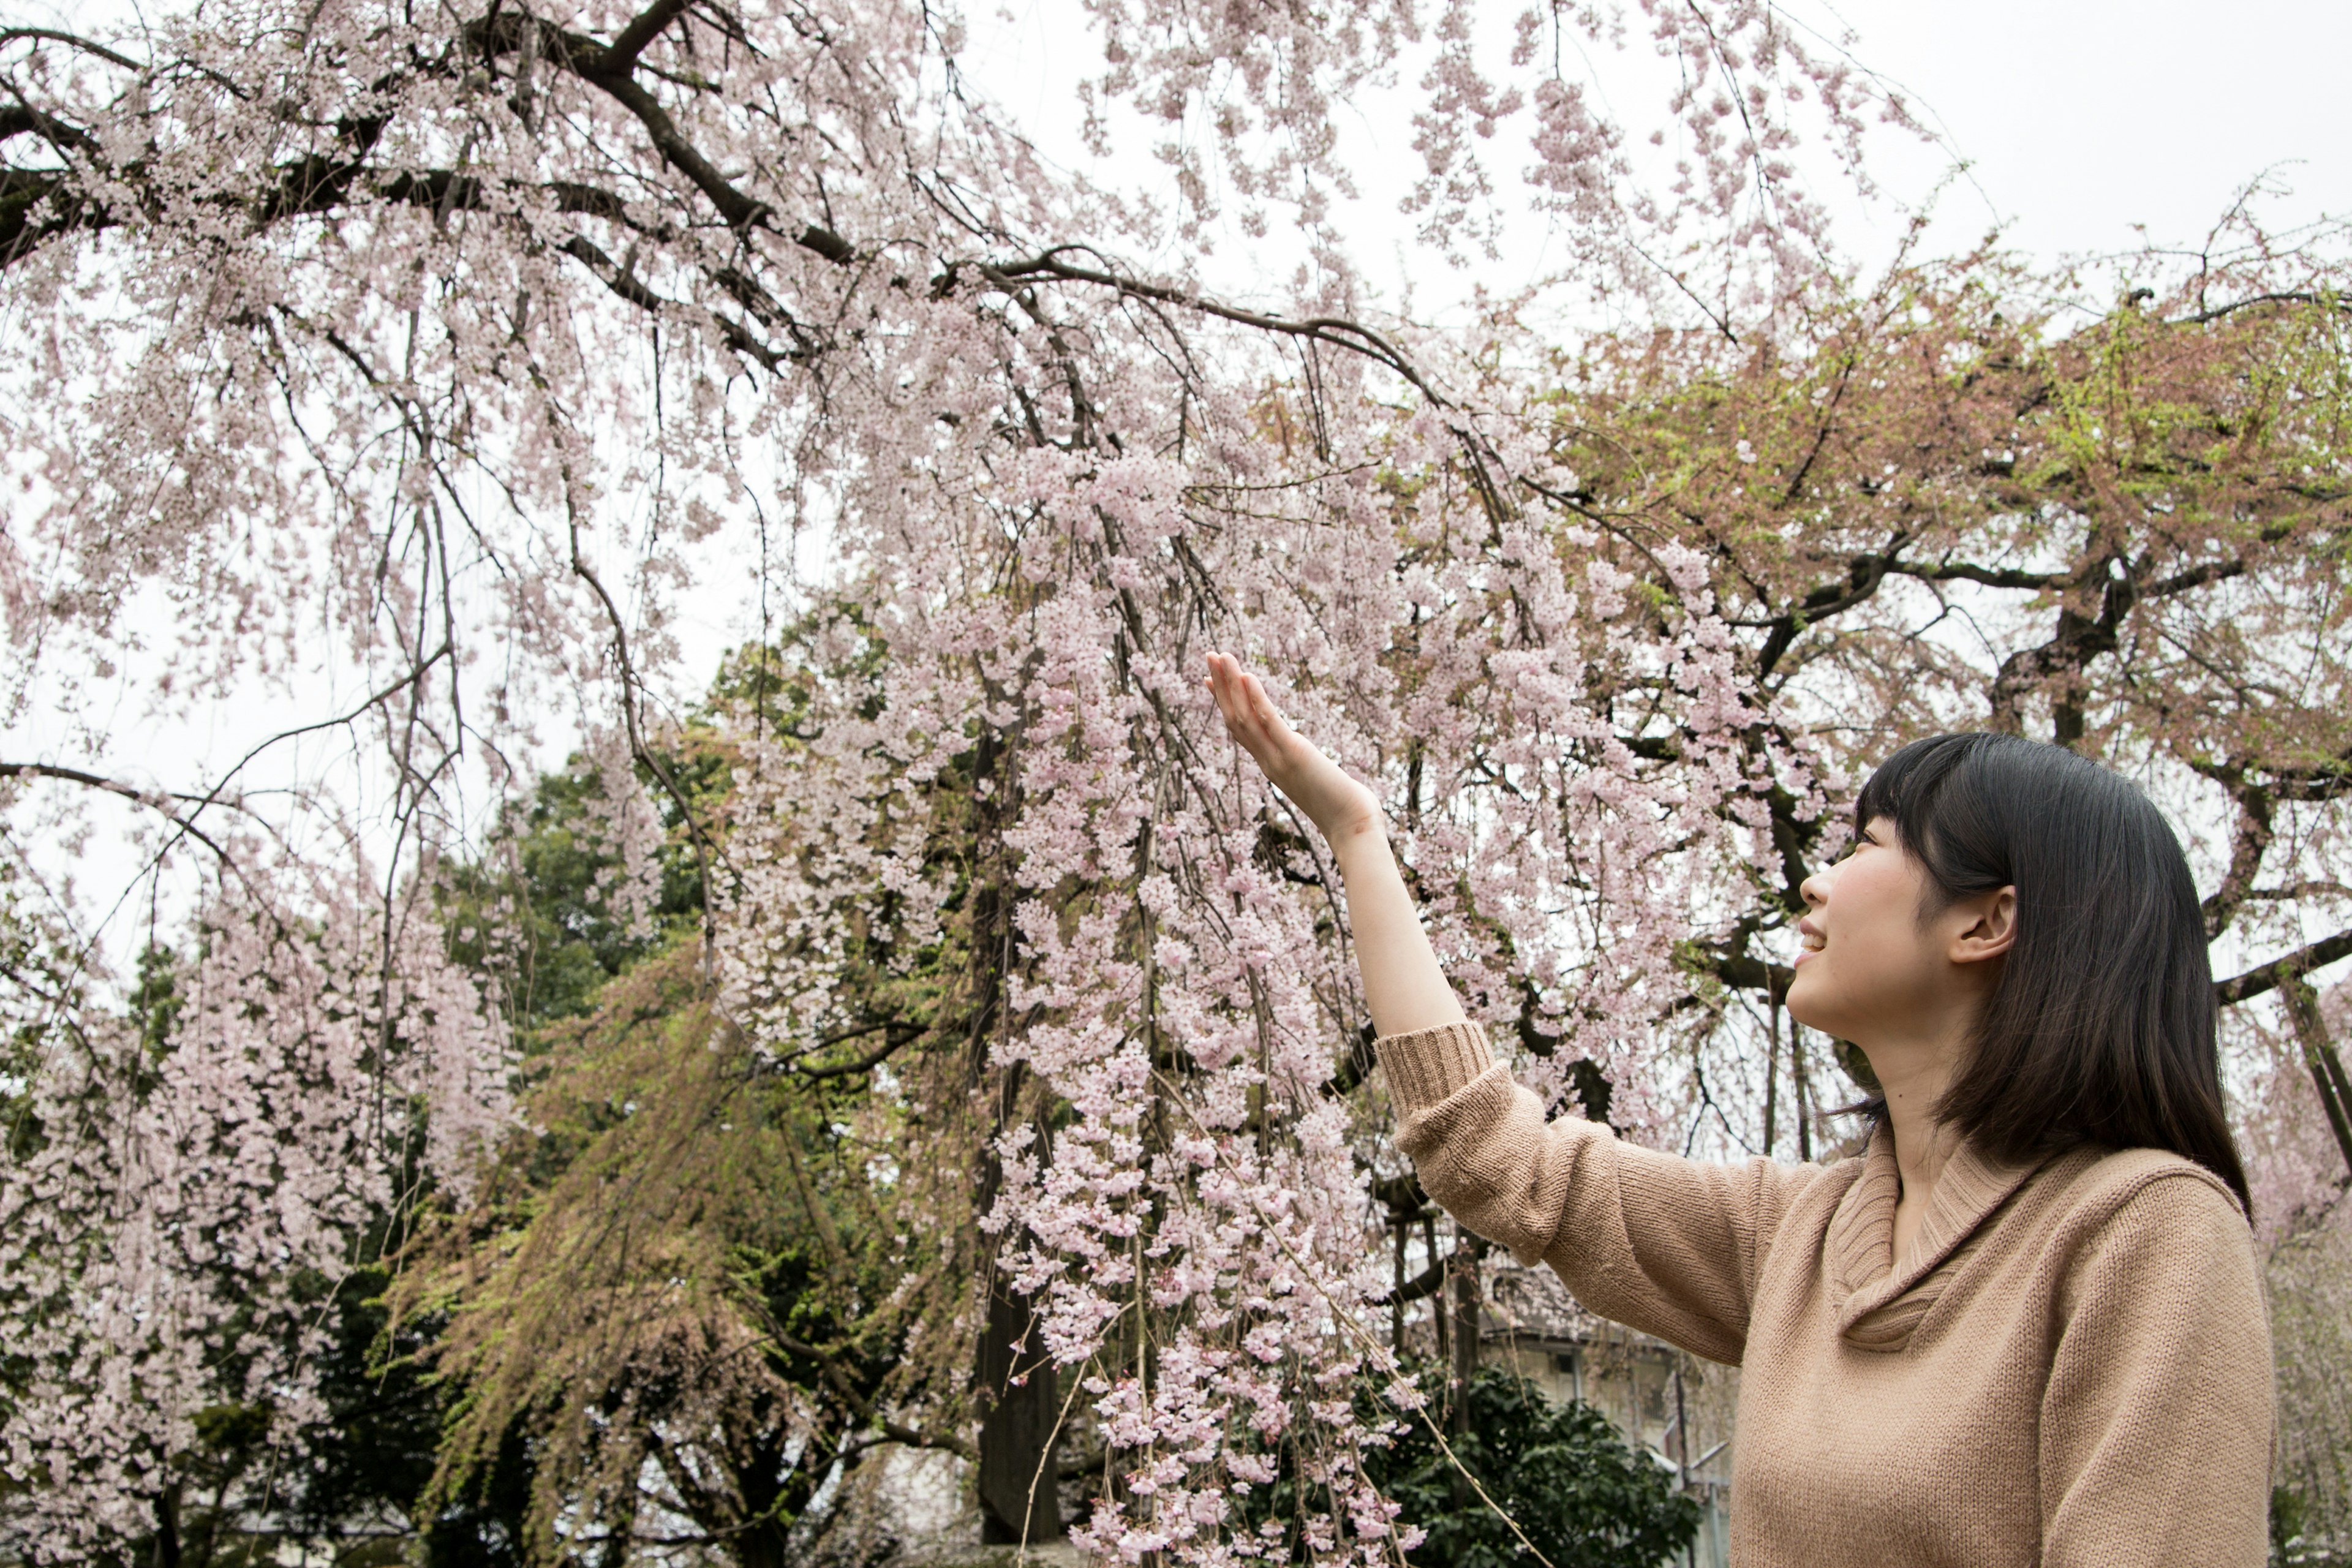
(2102, 1026)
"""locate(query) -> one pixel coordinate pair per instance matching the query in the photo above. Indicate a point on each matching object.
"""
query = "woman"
(2026, 1324)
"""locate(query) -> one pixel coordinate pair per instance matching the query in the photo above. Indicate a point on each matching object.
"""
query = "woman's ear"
(1987, 926)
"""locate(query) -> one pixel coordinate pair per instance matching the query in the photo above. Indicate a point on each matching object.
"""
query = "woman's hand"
(1404, 989)
(1335, 803)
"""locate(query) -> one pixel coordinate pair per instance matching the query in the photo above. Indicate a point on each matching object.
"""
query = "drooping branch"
(1336, 331)
(157, 801)
(71, 40)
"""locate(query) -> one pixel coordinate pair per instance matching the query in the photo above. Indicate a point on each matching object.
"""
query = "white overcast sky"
(2082, 118)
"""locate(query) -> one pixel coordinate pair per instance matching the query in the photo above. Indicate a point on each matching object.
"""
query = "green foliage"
(1582, 1496)
(378, 1453)
(2309, 1275)
(156, 997)
(2287, 1513)
(538, 912)
(2298, 1534)
(686, 1272)
(1567, 1479)
(692, 1268)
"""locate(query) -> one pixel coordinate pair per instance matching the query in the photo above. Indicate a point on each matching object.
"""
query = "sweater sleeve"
(1669, 1246)
(2156, 1422)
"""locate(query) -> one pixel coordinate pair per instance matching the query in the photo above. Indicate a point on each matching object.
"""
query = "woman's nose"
(1815, 889)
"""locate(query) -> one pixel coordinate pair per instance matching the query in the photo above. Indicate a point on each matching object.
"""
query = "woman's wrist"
(1362, 831)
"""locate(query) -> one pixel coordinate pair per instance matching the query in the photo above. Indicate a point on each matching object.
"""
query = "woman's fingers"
(1251, 717)
(1257, 713)
(1259, 726)
(1332, 801)
(1232, 689)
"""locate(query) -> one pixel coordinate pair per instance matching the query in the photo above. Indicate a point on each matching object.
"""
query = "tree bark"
(1437, 1317)
(1465, 1309)
(1797, 1076)
(1464, 1360)
(1019, 1392)
(1017, 1482)
(1397, 1223)
(2327, 1068)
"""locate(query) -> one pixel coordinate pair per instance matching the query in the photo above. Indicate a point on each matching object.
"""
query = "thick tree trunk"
(1019, 1393)
(167, 1529)
(1017, 1438)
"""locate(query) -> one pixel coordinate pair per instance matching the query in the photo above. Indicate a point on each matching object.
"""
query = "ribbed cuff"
(1428, 1065)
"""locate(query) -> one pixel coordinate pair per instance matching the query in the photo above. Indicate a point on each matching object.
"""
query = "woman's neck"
(1913, 1079)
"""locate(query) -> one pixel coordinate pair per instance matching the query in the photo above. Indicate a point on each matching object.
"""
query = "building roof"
(1532, 1303)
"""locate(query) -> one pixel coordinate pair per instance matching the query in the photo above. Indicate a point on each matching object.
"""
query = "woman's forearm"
(1403, 985)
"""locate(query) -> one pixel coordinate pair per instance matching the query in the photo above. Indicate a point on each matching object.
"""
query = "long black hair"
(2102, 1027)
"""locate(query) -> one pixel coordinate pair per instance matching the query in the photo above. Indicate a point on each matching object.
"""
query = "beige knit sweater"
(2072, 1367)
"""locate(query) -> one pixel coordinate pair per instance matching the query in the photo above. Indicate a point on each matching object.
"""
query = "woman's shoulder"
(2102, 1181)
(2138, 1208)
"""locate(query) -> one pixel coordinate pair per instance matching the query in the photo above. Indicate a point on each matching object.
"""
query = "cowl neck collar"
(1863, 1267)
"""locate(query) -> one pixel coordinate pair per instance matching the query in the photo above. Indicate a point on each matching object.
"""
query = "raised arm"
(1403, 985)
(1668, 1245)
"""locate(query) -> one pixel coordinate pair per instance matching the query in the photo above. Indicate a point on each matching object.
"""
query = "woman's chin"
(1804, 1000)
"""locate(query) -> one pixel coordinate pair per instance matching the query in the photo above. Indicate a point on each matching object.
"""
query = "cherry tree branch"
(1336, 331)
(2269, 976)
(71, 41)
(154, 800)
(900, 1033)
(2281, 296)
(844, 1385)
(621, 53)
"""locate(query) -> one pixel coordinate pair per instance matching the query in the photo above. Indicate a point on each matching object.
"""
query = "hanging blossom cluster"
(189, 1198)
(1006, 742)
(1246, 99)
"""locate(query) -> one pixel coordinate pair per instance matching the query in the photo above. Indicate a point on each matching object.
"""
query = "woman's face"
(1870, 970)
